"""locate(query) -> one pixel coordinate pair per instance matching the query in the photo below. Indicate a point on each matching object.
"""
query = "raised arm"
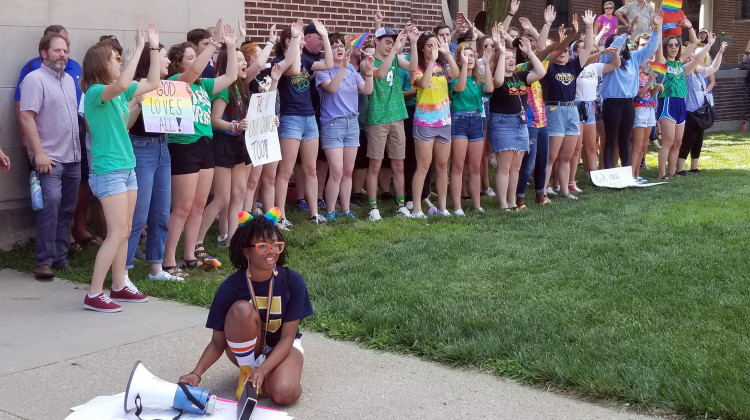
(714, 67)
(463, 72)
(528, 27)
(514, 4)
(378, 18)
(693, 38)
(192, 73)
(127, 73)
(366, 68)
(616, 60)
(621, 13)
(565, 43)
(152, 79)
(332, 85)
(327, 63)
(222, 82)
(445, 51)
(539, 70)
(549, 17)
(588, 40)
(600, 33)
(382, 71)
(262, 58)
(499, 76)
(488, 56)
(689, 67)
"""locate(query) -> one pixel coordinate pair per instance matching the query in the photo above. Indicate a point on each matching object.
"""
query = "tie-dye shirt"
(433, 106)
(536, 113)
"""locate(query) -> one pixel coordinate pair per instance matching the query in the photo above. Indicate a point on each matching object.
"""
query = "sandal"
(664, 178)
(200, 252)
(175, 271)
(89, 240)
(190, 264)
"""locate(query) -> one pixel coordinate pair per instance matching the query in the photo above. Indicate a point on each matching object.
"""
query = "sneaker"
(139, 255)
(641, 180)
(489, 192)
(259, 205)
(569, 197)
(374, 215)
(350, 214)
(444, 213)
(317, 219)
(126, 294)
(479, 209)
(409, 205)
(550, 191)
(284, 224)
(419, 215)
(164, 276)
(302, 205)
(459, 212)
(428, 203)
(101, 303)
(403, 211)
(574, 187)
(43, 272)
(432, 210)
(680, 173)
(223, 241)
(258, 212)
(322, 204)
(331, 215)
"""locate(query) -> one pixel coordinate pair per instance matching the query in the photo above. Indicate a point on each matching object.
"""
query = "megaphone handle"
(139, 408)
(191, 397)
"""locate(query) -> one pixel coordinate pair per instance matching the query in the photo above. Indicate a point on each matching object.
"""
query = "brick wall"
(474, 7)
(348, 17)
(731, 95)
(727, 19)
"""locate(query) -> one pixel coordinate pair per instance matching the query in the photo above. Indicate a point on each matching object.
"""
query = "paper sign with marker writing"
(168, 108)
(261, 136)
(617, 178)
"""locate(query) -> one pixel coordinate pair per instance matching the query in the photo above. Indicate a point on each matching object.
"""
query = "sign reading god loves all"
(168, 108)
(261, 136)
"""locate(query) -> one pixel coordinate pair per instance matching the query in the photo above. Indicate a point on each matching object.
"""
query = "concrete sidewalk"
(55, 355)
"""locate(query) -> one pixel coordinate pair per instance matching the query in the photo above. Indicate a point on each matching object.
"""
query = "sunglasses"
(338, 46)
(529, 35)
(609, 8)
(263, 248)
(673, 45)
(118, 58)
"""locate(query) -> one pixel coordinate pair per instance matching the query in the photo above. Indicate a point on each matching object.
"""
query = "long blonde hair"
(475, 71)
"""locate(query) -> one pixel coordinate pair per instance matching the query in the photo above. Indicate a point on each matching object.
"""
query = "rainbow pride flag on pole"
(358, 41)
(659, 68)
(671, 5)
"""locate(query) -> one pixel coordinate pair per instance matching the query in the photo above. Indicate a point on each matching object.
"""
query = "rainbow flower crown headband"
(272, 216)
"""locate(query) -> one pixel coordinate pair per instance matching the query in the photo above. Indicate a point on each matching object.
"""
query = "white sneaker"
(459, 212)
(258, 212)
(284, 224)
(444, 213)
(130, 284)
(489, 192)
(479, 209)
(409, 205)
(402, 211)
(574, 187)
(428, 203)
(550, 191)
(223, 241)
(374, 215)
(419, 215)
(164, 276)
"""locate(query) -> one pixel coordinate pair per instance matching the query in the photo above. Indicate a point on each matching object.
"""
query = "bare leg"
(458, 155)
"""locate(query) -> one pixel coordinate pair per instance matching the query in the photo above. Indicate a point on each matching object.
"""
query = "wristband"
(368, 75)
(269, 43)
(153, 49)
(199, 376)
(235, 127)
(511, 14)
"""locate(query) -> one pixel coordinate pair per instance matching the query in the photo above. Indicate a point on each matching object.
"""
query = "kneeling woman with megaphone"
(256, 312)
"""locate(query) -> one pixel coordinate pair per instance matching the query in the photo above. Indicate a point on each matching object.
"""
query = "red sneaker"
(101, 303)
(128, 294)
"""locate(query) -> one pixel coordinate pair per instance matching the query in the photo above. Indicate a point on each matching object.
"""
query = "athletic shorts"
(428, 134)
(672, 109)
(191, 158)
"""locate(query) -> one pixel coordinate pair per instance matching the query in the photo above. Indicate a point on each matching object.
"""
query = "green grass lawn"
(640, 295)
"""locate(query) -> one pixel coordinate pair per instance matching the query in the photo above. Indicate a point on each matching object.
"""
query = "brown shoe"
(44, 272)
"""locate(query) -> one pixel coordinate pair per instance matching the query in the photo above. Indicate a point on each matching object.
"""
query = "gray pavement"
(55, 355)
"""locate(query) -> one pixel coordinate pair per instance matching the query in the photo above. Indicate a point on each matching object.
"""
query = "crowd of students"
(349, 120)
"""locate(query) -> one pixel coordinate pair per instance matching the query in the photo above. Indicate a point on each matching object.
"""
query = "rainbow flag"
(659, 68)
(671, 5)
(358, 41)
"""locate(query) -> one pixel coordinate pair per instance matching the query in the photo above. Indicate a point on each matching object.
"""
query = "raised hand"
(276, 71)
(561, 32)
(487, 55)
(273, 34)
(464, 58)
(378, 17)
(525, 46)
(433, 54)
(413, 35)
(514, 5)
(322, 31)
(228, 35)
(658, 19)
(401, 41)
(139, 37)
(241, 29)
(606, 28)
(574, 22)
(153, 35)
(443, 47)
(685, 22)
(297, 28)
(724, 45)
(217, 29)
(526, 23)
(549, 14)
(711, 39)
(588, 17)
(367, 63)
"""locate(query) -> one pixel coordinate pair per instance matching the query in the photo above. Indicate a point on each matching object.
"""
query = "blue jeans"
(153, 171)
(60, 193)
(535, 160)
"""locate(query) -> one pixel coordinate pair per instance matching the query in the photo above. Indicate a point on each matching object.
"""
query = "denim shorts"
(672, 109)
(298, 127)
(112, 183)
(340, 132)
(563, 120)
(645, 116)
(467, 125)
(428, 134)
(507, 132)
(590, 112)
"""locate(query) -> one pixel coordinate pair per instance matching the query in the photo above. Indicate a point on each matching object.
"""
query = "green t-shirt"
(108, 124)
(202, 91)
(470, 99)
(674, 81)
(387, 100)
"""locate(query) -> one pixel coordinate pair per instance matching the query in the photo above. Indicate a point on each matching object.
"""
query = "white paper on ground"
(621, 177)
(110, 408)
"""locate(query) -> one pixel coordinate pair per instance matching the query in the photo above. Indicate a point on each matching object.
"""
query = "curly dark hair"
(420, 50)
(175, 54)
(254, 229)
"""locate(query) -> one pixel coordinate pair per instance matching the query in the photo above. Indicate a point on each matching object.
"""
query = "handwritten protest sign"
(168, 108)
(261, 137)
(617, 178)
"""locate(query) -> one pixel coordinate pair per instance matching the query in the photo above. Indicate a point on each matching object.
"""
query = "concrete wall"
(21, 25)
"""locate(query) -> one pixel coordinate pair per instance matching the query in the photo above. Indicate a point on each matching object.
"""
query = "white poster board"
(261, 136)
(168, 108)
(621, 177)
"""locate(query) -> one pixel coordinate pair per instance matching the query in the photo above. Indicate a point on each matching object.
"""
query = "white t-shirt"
(587, 81)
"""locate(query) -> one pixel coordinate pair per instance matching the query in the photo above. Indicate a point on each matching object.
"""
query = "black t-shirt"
(508, 97)
(290, 301)
(559, 84)
(139, 129)
(294, 91)
(262, 82)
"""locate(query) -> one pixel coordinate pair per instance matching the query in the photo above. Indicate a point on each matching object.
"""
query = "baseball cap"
(703, 30)
(385, 31)
(310, 29)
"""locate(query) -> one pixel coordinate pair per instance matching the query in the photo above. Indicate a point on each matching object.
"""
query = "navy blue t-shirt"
(290, 301)
(559, 84)
(294, 91)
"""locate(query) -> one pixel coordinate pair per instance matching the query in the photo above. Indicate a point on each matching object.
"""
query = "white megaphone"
(146, 390)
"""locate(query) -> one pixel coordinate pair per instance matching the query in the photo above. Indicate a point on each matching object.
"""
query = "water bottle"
(36, 191)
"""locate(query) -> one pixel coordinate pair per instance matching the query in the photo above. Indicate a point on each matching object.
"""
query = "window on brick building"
(745, 9)
(561, 8)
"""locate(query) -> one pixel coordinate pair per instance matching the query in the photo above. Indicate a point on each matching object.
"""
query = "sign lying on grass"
(261, 136)
(168, 108)
(617, 178)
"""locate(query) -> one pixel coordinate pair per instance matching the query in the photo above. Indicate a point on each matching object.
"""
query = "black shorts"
(229, 150)
(191, 158)
(361, 161)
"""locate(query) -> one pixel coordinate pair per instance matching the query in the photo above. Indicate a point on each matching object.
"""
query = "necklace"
(264, 326)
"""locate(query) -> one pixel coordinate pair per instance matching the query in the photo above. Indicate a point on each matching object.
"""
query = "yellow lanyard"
(264, 327)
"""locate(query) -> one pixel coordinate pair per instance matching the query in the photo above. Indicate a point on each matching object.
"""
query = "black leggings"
(692, 141)
(618, 115)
